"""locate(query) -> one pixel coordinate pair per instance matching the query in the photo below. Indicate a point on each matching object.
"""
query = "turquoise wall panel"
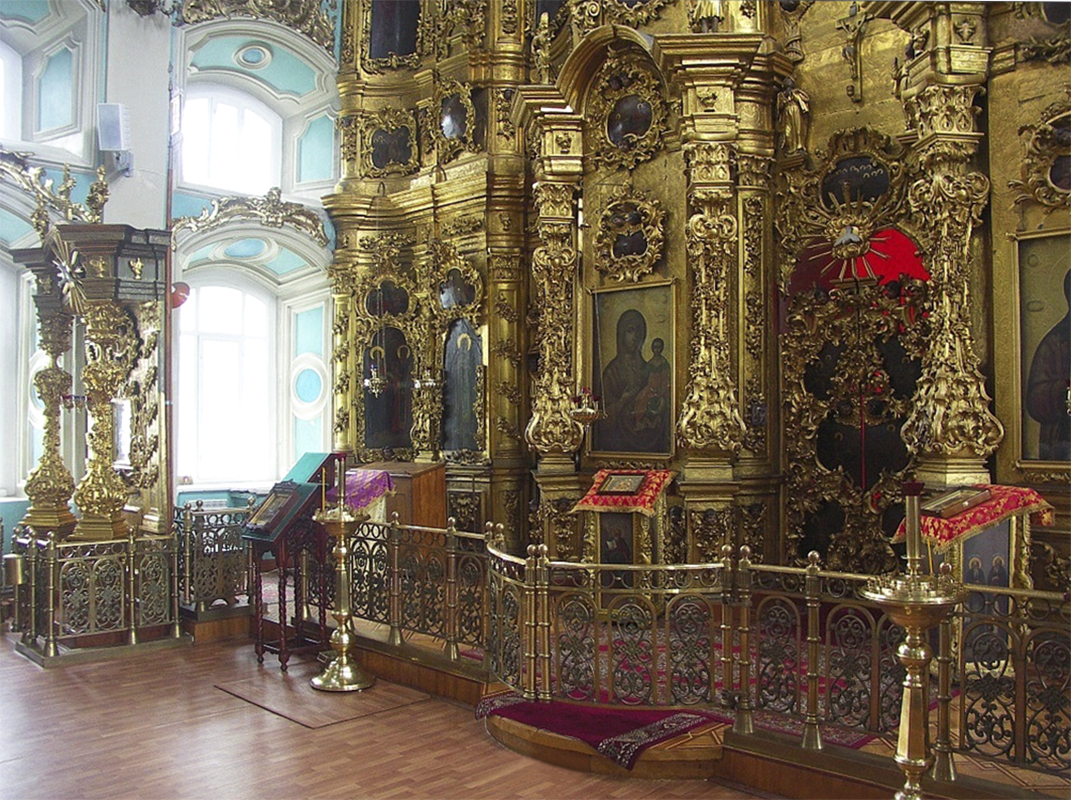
(309, 332)
(286, 261)
(54, 92)
(31, 11)
(308, 435)
(317, 148)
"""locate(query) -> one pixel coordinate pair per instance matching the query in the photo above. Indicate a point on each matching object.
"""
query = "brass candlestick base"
(343, 674)
(916, 604)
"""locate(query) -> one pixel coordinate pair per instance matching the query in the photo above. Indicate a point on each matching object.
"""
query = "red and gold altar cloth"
(641, 501)
(364, 487)
(1003, 502)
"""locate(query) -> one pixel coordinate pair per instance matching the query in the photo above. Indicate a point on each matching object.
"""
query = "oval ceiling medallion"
(255, 55)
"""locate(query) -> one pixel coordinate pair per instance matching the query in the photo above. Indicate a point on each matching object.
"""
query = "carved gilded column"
(710, 426)
(111, 347)
(950, 428)
(50, 485)
(341, 367)
(551, 429)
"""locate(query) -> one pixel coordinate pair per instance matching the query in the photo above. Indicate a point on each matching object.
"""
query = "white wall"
(9, 319)
(139, 53)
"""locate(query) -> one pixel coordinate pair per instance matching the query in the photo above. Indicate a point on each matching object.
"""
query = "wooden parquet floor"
(154, 726)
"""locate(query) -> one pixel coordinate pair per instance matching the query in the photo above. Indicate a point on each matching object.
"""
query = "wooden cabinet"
(419, 492)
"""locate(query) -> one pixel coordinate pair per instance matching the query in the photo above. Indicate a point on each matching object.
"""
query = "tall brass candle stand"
(916, 603)
(343, 674)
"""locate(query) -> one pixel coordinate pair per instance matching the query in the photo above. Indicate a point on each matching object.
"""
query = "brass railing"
(213, 560)
(79, 592)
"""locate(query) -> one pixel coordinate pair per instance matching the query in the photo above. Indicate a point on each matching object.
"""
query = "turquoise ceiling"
(32, 11)
(285, 72)
(286, 261)
(252, 253)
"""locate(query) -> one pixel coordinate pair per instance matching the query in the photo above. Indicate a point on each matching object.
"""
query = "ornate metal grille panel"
(780, 657)
(369, 568)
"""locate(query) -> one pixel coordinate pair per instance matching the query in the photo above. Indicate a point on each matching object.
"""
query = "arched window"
(226, 425)
(230, 140)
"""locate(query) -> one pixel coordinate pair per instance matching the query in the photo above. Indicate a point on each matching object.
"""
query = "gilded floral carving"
(626, 115)
(630, 236)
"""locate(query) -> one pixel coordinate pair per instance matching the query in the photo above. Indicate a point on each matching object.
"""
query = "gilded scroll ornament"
(859, 186)
(551, 428)
(304, 16)
(630, 237)
(111, 349)
(503, 104)
(143, 391)
(1046, 167)
(709, 419)
(271, 211)
(591, 13)
(15, 168)
(453, 119)
(389, 143)
(951, 416)
(850, 355)
(626, 115)
(712, 528)
(392, 61)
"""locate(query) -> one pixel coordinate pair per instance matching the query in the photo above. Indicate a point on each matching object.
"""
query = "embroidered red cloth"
(1003, 502)
(642, 500)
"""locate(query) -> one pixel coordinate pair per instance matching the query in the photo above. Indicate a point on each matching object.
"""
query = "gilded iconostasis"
(796, 252)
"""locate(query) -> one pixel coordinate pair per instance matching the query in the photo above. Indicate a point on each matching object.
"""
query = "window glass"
(226, 431)
(230, 140)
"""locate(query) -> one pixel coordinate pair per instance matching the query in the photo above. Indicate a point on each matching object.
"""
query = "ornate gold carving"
(709, 163)
(1054, 51)
(790, 18)
(755, 436)
(754, 320)
(385, 122)
(271, 211)
(941, 110)
(951, 416)
(1046, 142)
(551, 428)
(857, 321)
(560, 525)
(753, 217)
(503, 105)
(449, 146)
(709, 419)
(805, 213)
(304, 16)
(753, 528)
(753, 170)
(462, 226)
(111, 347)
(712, 528)
(507, 349)
(143, 391)
(16, 168)
(629, 218)
(510, 392)
(509, 16)
(465, 508)
(589, 14)
(393, 61)
(467, 18)
(611, 112)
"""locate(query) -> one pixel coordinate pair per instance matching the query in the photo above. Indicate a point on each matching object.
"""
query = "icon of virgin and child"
(636, 392)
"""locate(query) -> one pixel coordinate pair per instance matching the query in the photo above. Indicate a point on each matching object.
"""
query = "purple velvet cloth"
(363, 487)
